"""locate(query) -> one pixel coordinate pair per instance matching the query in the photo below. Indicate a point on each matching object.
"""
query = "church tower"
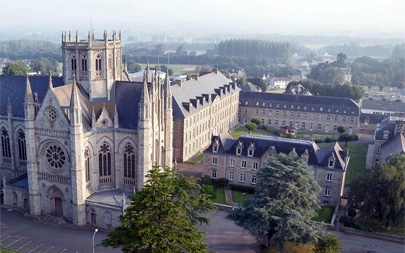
(96, 63)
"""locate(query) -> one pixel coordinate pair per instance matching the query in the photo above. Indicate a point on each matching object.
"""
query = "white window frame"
(329, 177)
(255, 165)
(231, 176)
(243, 164)
(232, 162)
(215, 160)
(242, 177)
(254, 179)
(213, 173)
(327, 191)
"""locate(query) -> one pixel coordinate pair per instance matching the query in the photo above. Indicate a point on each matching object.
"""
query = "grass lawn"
(242, 130)
(220, 196)
(324, 214)
(355, 168)
(240, 197)
(323, 136)
(355, 147)
(276, 91)
(3, 250)
(299, 135)
(375, 226)
(196, 159)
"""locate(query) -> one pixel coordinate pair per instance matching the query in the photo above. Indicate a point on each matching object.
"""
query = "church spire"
(50, 80)
(74, 98)
(145, 93)
(147, 72)
(29, 98)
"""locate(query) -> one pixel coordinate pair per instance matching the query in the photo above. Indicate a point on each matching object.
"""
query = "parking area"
(26, 245)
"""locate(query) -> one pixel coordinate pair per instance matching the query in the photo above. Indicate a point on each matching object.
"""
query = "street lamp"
(95, 231)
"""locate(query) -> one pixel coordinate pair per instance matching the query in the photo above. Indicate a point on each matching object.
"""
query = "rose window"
(51, 114)
(55, 156)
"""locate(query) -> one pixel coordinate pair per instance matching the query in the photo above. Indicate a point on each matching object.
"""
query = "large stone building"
(203, 106)
(239, 160)
(78, 147)
(309, 114)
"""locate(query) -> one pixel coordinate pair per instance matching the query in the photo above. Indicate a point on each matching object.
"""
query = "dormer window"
(215, 149)
(331, 164)
(238, 151)
(250, 152)
(257, 103)
(246, 102)
(386, 134)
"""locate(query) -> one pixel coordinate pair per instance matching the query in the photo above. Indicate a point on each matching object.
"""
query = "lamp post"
(95, 231)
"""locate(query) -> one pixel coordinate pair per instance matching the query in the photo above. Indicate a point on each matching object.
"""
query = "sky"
(207, 17)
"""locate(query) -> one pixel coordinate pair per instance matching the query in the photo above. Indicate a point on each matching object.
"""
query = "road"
(26, 235)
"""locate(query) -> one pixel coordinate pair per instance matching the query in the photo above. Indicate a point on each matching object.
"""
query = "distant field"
(177, 68)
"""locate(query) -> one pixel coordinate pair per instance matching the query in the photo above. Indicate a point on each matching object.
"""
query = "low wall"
(381, 236)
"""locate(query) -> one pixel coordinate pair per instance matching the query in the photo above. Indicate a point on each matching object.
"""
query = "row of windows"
(299, 107)
(231, 177)
(83, 59)
(5, 144)
(243, 163)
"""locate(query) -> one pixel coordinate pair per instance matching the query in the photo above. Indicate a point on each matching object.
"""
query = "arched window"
(104, 160)
(98, 64)
(5, 142)
(73, 63)
(108, 219)
(22, 149)
(129, 161)
(84, 62)
(87, 163)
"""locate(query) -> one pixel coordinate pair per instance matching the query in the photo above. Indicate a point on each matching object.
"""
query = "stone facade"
(63, 144)
(239, 160)
(308, 114)
(205, 105)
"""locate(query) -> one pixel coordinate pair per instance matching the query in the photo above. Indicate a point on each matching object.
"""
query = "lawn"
(3, 250)
(356, 168)
(196, 159)
(299, 135)
(242, 130)
(220, 196)
(239, 197)
(323, 136)
(324, 214)
(279, 91)
(355, 148)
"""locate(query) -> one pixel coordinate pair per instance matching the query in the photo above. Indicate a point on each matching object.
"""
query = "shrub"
(328, 140)
(220, 182)
(243, 188)
(209, 190)
(328, 244)
(353, 223)
(206, 180)
(352, 212)
(318, 141)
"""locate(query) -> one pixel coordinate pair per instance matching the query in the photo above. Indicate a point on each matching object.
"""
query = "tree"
(251, 126)
(18, 68)
(44, 65)
(256, 120)
(380, 194)
(341, 129)
(285, 200)
(162, 217)
(328, 244)
(348, 137)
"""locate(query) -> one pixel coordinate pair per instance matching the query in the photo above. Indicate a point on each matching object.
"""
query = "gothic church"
(76, 146)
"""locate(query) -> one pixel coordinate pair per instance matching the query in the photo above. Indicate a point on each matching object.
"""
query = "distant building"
(250, 87)
(309, 114)
(239, 160)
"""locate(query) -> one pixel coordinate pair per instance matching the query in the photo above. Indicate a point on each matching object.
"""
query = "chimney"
(179, 82)
(215, 70)
(195, 77)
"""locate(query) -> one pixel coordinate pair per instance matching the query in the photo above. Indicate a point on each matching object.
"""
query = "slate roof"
(383, 105)
(394, 146)
(388, 124)
(112, 197)
(250, 87)
(317, 156)
(317, 101)
(13, 88)
(207, 83)
(373, 118)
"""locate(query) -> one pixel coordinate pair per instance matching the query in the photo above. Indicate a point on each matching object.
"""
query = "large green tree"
(380, 194)
(162, 217)
(259, 82)
(17, 68)
(285, 200)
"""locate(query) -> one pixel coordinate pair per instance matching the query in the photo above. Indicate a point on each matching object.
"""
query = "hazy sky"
(321, 17)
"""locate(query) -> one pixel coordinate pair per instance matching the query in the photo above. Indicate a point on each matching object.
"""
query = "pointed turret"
(145, 93)
(29, 98)
(50, 80)
(147, 73)
(74, 98)
(115, 117)
(9, 108)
